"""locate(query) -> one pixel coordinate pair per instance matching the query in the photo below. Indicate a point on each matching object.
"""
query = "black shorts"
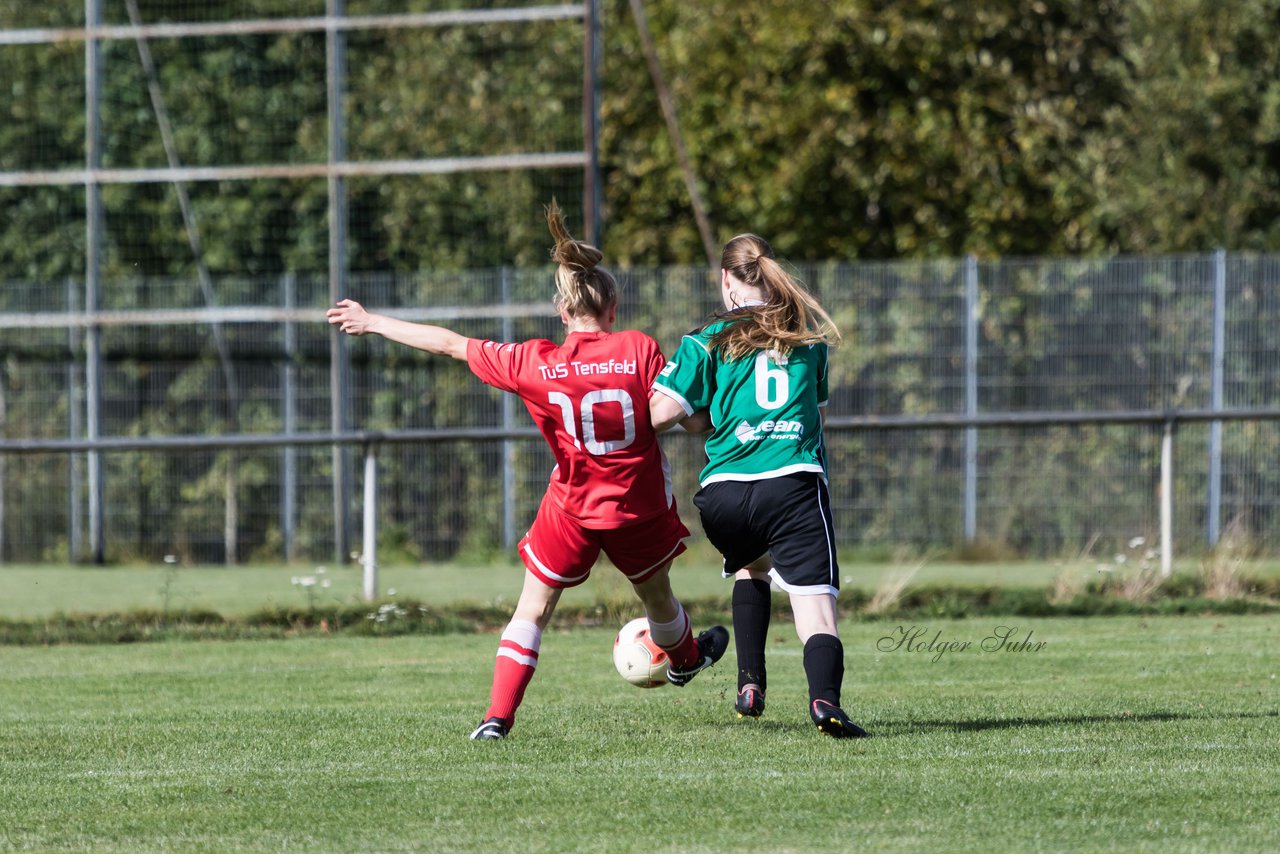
(789, 517)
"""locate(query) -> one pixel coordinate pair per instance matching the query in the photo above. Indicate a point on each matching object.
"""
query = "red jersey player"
(610, 489)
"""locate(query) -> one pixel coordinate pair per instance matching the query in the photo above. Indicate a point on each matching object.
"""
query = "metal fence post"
(1213, 512)
(369, 546)
(4, 462)
(1166, 499)
(289, 459)
(75, 426)
(508, 418)
(970, 397)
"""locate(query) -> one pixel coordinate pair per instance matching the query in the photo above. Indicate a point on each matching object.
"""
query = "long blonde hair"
(583, 289)
(790, 317)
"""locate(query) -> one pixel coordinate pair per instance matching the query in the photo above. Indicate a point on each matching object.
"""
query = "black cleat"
(491, 730)
(711, 645)
(750, 702)
(831, 719)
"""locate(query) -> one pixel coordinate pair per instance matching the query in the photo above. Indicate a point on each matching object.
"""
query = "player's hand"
(351, 317)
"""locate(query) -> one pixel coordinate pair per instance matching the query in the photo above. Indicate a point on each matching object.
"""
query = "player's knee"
(814, 615)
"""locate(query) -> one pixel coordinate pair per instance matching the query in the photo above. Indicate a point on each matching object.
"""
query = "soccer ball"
(639, 660)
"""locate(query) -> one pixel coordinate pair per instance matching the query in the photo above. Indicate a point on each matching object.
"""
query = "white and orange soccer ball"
(639, 660)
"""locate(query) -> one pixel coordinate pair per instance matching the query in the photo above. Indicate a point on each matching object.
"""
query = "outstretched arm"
(354, 320)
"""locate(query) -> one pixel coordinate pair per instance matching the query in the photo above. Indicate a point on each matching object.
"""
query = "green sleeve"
(688, 376)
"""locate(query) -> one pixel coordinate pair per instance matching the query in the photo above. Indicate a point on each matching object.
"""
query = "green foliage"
(921, 129)
(911, 129)
(892, 130)
(1188, 161)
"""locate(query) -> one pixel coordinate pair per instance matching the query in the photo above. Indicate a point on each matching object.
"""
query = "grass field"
(1121, 733)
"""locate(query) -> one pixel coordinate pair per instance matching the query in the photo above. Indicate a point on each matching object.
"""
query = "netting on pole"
(194, 155)
(452, 137)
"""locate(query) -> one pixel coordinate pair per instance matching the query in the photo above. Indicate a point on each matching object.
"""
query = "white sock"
(523, 634)
(667, 635)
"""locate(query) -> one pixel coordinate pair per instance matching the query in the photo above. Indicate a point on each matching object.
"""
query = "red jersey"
(590, 399)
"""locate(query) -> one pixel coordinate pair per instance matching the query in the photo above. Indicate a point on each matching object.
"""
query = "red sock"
(516, 661)
(676, 638)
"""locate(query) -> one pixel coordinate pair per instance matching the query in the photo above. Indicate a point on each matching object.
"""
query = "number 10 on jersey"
(584, 413)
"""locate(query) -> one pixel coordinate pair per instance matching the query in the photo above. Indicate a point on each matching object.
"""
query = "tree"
(849, 129)
(1193, 161)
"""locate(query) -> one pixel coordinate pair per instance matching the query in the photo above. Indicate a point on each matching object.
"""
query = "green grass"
(28, 592)
(1120, 734)
(38, 591)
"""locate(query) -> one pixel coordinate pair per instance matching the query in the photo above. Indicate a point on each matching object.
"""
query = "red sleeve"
(494, 363)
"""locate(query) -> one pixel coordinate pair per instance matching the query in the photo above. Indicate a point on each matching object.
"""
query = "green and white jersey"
(764, 410)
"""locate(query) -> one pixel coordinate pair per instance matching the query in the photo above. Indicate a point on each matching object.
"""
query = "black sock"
(751, 606)
(824, 665)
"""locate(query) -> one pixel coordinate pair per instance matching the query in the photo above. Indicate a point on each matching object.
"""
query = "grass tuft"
(1222, 570)
(889, 593)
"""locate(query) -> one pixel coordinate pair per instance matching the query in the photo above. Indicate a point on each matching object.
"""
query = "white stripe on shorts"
(665, 558)
(550, 573)
(802, 589)
(827, 528)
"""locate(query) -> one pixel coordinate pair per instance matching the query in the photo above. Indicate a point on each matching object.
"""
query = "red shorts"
(560, 552)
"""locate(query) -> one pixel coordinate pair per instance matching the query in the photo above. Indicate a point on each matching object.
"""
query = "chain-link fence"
(164, 162)
(149, 145)
(1094, 340)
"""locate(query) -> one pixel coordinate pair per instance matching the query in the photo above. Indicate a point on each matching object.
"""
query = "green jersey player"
(765, 406)
(760, 373)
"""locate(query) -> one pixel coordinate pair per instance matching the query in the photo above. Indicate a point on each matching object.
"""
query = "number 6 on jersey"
(773, 384)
